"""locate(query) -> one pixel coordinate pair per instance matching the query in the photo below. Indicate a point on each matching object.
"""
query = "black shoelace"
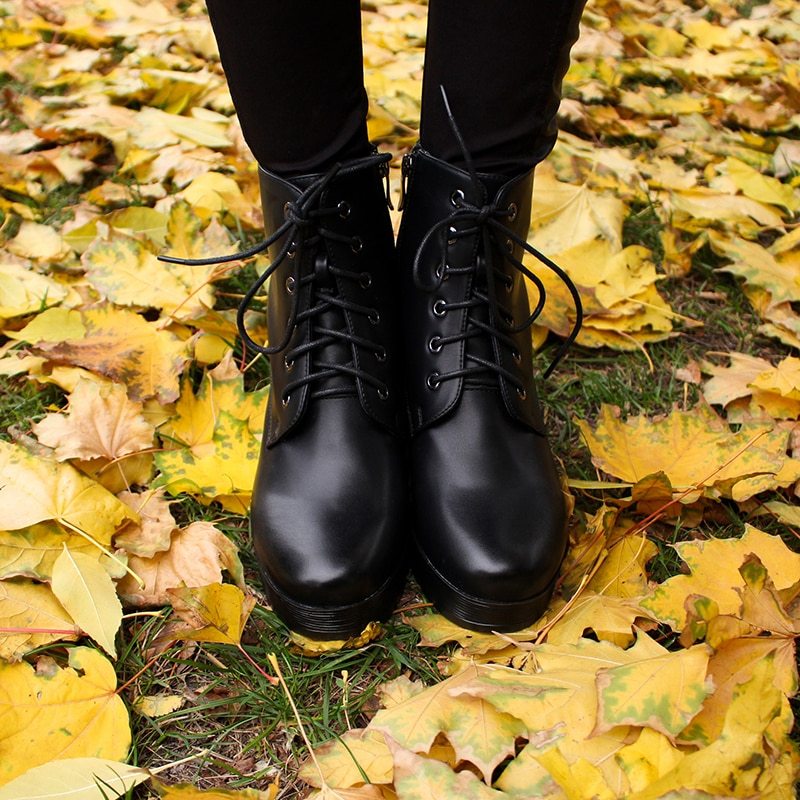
(303, 227)
(486, 221)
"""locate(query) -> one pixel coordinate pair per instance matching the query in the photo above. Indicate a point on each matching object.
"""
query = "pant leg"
(502, 63)
(295, 73)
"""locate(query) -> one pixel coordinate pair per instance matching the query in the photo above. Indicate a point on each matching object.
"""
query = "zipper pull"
(405, 170)
(384, 168)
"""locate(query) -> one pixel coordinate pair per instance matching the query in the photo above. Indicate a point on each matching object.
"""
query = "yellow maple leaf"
(91, 717)
(23, 291)
(126, 272)
(696, 451)
(225, 471)
(663, 693)
(214, 613)
(714, 566)
(34, 489)
(345, 761)
(478, 731)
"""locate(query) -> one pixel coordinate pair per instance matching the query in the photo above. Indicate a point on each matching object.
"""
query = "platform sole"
(476, 613)
(335, 622)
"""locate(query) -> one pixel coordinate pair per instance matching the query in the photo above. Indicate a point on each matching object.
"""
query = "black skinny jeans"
(294, 68)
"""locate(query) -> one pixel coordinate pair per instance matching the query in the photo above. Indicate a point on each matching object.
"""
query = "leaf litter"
(633, 684)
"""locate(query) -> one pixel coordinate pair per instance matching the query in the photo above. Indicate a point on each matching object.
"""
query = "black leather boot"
(330, 491)
(489, 515)
(329, 496)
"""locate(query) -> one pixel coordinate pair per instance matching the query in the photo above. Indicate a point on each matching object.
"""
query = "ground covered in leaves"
(135, 648)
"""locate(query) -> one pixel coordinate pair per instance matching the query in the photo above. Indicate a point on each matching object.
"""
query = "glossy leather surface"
(489, 513)
(329, 495)
(488, 510)
(328, 506)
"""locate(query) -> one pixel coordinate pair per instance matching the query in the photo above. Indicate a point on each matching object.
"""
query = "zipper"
(405, 171)
(384, 171)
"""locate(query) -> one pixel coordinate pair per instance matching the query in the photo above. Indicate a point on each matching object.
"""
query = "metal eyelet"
(435, 344)
(509, 245)
(291, 251)
(383, 394)
(365, 280)
(344, 209)
(285, 400)
(357, 245)
(287, 207)
(433, 381)
(291, 285)
(512, 211)
(381, 355)
(457, 198)
(509, 284)
(452, 238)
(288, 363)
(522, 394)
(440, 307)
(517, 356)
(374, 317)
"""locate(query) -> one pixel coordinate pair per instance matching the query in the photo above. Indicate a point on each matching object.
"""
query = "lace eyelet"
(509, 285)
(509, 245)
(457, 198)
(452, 238)
(522, 394)
(374, 318)
(365, 280)
(383, 394)
(344, 209)
(357, 245)
(433, 381)
(285, 400)
(287, 207)
(440, 307)
(288, 363)
(517, 356)
(291, 285)
(291, 252)
(381, 355)
(435, 344)
(512, 212)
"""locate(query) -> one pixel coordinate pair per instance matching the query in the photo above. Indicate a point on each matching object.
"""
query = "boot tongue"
(337, 352)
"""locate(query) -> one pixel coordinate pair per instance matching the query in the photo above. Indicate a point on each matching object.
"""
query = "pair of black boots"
(402, 422)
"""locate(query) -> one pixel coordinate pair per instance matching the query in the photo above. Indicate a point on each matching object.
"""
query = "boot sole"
(475, 613)
(328, 623)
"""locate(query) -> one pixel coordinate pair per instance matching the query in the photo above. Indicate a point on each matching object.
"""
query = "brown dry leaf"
(153, 533)
(100, 422)
(127, 349)
(197, 555)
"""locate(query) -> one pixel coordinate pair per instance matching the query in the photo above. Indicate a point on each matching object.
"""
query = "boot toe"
(490, 514)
